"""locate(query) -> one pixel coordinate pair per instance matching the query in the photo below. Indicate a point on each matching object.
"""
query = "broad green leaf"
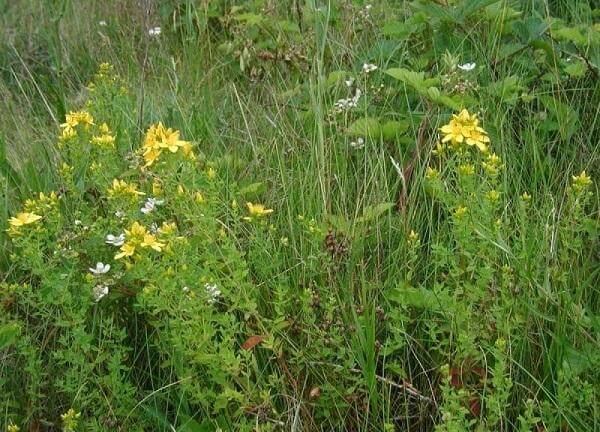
(576, 69)
(371, 213)
(571, 34)
(8, 334)
(529, 29)
(411, 78)
(469, 7)
(253, 189)
(365, 127)
(393, 128)
(507, 89)
(336, 77)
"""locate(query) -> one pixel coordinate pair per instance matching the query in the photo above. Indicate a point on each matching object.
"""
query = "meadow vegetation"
(299, 215)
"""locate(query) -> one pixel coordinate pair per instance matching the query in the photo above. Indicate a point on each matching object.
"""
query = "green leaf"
(423, 86)
(529, 29)
(393, 128)
(470, 7)
(249, 18)
(411, 78)
(188, 424)
(397, 29)
(576, 69)
(571, 34)
(8, 334)
(370, 213)
(507, 89)
(336, 77)
(253, 189)
(366, 126)
(419, 298)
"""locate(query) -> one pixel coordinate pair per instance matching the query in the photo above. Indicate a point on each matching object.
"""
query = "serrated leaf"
(411, 78)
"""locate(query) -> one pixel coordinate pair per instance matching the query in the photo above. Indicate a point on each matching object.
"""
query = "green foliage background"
(377, 306)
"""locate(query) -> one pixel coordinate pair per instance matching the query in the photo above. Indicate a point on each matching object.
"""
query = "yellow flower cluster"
(138, 237)
(23, 218)
(74, 119)
(158, 139)
(431, 173)
(120, 188)
(256, 211)
(492, 164)
(42, 204)
(581, 182)
(464, 128)
(33, 209)
(105, 138)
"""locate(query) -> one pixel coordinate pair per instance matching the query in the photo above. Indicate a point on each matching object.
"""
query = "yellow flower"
(122, 188)
(136, 232)
(211, 173)
(67, 133)
(492, 164)
(526, 197)
(464, 128)
(460, 211)
(466, 170)
(24, 219)
(431, 173)
(256, 211)
(168, 228)
(138, 235)
(151, 242)
(199, 198)
(581, 182)
(105, 139)
(127, 250)
(75, 118)
(413, 238)
(70, 420)
(12, 427)
(493, 195)
(157, 189)
(159, 138)
(439, 149)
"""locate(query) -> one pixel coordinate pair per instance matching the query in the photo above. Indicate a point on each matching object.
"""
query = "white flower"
(119, 214)
(99, 292)
(213, 292)
(467, 67)
(358, 144)
(115, 240)
(100, 269)
(77, 222)
(368, 68)
(102, 23)
(185, 289)
(345, 104)
(349, 82)
(155, 31)
(150, 205)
